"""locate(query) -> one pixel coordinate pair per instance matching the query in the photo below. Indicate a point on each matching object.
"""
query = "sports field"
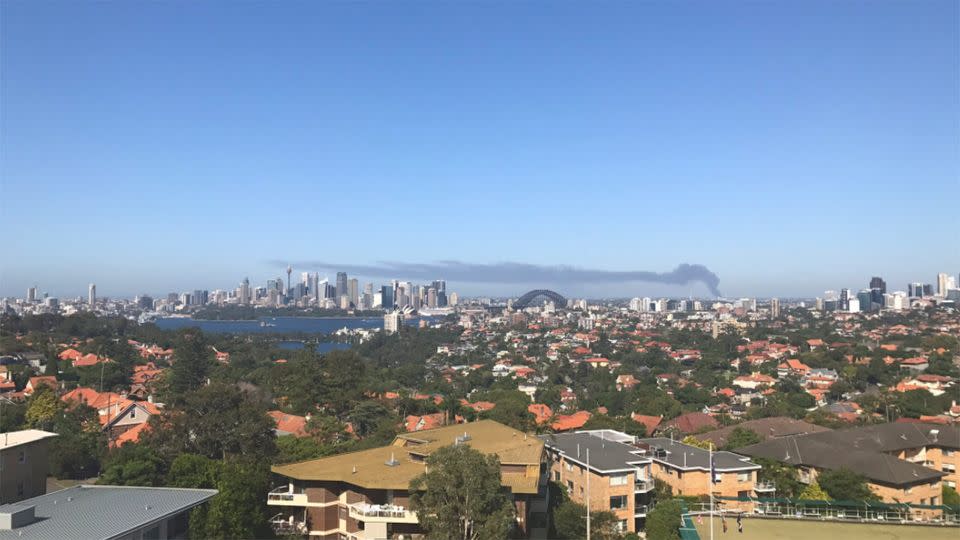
(770, 529)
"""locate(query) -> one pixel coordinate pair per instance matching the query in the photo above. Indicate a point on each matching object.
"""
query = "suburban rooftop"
(17, 438)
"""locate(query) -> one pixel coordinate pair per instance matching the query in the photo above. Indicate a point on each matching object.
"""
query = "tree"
(365, 417)
(663, 522)
(846, 485)
(570, 522)
(43, 408)
(950, 496)
(76, 452)
(813, 492)
(460, 496)
(741, 437)
(192, 363)
(133, 465)
(693, 441)
(783, 476)
(217, 421)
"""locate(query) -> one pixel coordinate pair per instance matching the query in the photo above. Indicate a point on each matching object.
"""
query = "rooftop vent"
(462, 438)
(392, 462)
(14, 516)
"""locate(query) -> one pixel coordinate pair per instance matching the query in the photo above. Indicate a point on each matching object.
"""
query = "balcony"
(287, 525)
(382, 513)
(643, 486)
(284, 496)
(641, 510)
(764, 487)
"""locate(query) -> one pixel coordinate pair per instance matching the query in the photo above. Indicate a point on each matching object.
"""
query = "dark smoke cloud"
(520, 273)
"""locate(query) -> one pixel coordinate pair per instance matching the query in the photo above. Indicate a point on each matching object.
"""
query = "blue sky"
(790, 147)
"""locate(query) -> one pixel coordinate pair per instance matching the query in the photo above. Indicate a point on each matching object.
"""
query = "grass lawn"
(776, 529)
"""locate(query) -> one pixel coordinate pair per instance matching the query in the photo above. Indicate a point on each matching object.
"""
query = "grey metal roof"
(605, 455)
(893, 436)
(766, 428)
(101, 512)
(814, 451)
(684, 456)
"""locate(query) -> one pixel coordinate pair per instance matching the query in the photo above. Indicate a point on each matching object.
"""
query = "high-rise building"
(392, 322)
(944, 282)
(289, 271)
(844, 304)
(199, 297)
(878, 283)
(32, 294)
(244, 292)
(915, 290)
(92, 295)
(341, 285)
(431, 297)
(865, 300)
(386, 297)
(353, 291)
(454, 299)
(774, 308)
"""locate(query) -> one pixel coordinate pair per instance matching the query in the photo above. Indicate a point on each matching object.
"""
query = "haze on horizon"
(787, 148)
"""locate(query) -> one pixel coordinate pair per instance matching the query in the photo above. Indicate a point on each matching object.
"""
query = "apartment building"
(902, 462)
(606, 465)
(365, 494)
(23, 464)
(616, 471)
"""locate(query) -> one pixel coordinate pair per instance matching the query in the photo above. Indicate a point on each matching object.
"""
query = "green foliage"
(784, 476)
(133, 465)
(460, 496)
(13, 416)
(77, 451)
(192, 363)
(814, 492)
(43, 408)
(570, 522)
(663, 522)
(511, 409)
(193, 471)
(950, 496)
(217, 421)
(846, 485)
(291, 449)
(741, 437)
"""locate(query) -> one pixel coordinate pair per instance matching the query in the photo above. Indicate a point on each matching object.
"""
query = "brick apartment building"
(365, 494)
(622, 470)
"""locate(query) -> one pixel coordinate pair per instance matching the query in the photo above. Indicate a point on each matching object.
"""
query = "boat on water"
(265, 324)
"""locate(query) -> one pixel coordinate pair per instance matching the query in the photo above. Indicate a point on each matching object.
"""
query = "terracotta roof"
(649, 422)
(542, 412)
(289, 423)
(566, 422)
(691, 422)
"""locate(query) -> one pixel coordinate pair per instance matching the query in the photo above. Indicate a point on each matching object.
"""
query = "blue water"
(319, 347)
(281, 325)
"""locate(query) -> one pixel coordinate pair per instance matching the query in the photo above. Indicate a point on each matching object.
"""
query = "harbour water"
(277, 325)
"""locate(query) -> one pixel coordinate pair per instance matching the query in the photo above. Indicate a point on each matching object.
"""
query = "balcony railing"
(283, 495)
(382, 512)
(642, 509)
(643, 486)
(287, 525)
(764, 486)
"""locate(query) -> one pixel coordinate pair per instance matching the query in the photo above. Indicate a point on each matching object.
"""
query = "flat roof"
(16, 438)
(369, 469)
(101, 512)
(686, 457)
(606, 455)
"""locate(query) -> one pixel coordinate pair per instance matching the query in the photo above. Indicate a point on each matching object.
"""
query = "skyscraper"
(353, 291)
(245, 291)
(386, 297)
(289, 271)
(431, 297)
(878, 283)
(341, 285)
(943, 283)
(844, 300)
(32, 294)
(92, 295)
(774, 307)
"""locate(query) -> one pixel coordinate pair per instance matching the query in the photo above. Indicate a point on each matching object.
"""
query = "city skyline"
(636, 137)
(372, 282)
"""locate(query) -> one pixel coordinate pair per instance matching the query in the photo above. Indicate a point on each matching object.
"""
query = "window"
(949, 468)
(743, 494)
(618, 503)
(933, 501)
(569, 466)
(618, 480)
(743, 477)
(950, 483)
(21, 457)
(947, 453)
(581, 491)
(570, 486)
(622, 525)
(556, 476)
(923, 501)
(133, 412)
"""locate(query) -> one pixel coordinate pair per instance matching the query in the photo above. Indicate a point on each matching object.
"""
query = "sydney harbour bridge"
(537, 296)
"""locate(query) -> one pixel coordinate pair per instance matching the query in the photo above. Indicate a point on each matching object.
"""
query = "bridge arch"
(527, 299)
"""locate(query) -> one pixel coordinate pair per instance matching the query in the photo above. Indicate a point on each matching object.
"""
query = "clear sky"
(789, 147)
